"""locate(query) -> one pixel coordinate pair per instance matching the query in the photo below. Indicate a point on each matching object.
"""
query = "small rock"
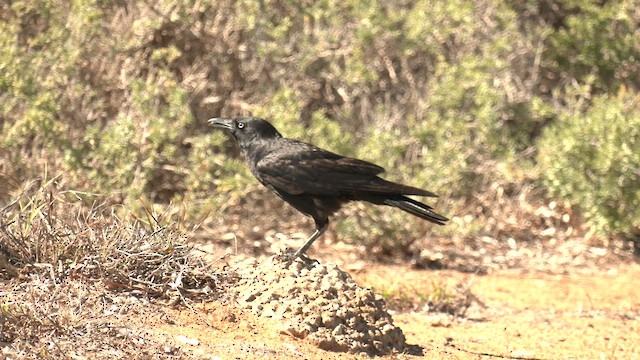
(249, 297)
(189, 341)
(387, 328)
(328, 320)
(230, 317)
(339, 330)
(313, 320)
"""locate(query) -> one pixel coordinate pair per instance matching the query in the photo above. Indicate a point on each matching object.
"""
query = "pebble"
(186, 340)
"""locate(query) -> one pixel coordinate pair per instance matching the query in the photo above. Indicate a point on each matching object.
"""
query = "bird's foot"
(289, 256)
(306, 259)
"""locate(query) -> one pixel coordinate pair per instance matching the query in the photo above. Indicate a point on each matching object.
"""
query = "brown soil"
(515, 315)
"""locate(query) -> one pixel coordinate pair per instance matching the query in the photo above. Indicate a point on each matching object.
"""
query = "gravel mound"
(319, 302)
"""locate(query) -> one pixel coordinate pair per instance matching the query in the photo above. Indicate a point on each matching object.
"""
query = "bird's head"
(246, 130)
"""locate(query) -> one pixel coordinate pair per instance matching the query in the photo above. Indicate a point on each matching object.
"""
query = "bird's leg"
(320, 229)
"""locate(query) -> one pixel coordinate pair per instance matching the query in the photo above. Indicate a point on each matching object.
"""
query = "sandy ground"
(516, 315)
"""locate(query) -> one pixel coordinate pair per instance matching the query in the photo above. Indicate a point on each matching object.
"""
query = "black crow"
(315, 181)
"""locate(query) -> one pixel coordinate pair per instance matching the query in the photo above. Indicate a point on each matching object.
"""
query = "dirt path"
(540, 316)
(531, 315)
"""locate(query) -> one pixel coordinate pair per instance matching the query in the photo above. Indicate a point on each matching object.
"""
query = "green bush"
(449, 96)
(593, 160)
(597, 39)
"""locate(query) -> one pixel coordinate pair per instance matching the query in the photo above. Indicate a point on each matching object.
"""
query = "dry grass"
(72, 273)
(75, 319)
(44, 232)
(418, 294)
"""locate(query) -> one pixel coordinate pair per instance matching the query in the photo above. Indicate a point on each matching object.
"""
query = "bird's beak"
(221, 123)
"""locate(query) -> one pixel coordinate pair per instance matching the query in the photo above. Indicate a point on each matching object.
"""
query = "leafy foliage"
(598, 42)
(115, 94)
(593, 159)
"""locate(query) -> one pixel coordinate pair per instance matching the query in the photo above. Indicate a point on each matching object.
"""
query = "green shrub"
(597, 38)
(593, 160)
(449, 96)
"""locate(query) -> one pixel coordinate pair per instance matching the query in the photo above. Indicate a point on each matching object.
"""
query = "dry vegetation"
(75, 277)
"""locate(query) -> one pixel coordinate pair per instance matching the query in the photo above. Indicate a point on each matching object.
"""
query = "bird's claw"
(306, 259)
(289, 256)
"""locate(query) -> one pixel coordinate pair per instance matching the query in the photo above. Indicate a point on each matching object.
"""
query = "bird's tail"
(415, 208)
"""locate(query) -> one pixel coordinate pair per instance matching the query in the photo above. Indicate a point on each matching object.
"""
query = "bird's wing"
(316, 172)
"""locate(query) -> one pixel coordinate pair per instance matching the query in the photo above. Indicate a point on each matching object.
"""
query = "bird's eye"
(240, 125)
